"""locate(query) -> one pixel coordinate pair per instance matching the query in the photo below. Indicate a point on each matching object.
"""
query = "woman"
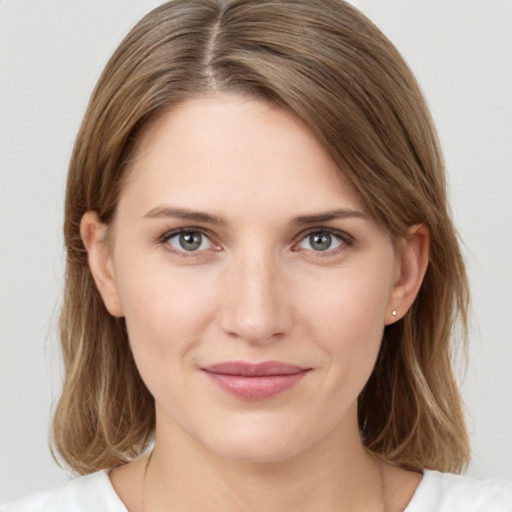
(262, 275)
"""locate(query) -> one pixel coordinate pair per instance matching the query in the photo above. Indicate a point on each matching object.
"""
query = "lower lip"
(256, 387)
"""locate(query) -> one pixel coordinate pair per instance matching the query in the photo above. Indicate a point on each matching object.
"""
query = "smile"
(249, 381)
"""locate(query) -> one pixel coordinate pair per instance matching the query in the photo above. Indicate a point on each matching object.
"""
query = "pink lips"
(249, 381)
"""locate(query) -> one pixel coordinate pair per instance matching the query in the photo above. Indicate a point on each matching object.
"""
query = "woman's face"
(254, 284)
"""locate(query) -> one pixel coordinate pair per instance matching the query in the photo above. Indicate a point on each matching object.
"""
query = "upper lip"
(246, 369)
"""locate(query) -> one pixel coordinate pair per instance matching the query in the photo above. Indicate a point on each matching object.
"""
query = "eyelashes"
(188, 242)
(197, 242)
(324, 241)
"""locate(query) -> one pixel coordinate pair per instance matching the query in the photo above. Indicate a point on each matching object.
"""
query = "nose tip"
(254, 330)
(254, 308)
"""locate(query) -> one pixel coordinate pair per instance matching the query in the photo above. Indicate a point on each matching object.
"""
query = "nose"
(255, 308)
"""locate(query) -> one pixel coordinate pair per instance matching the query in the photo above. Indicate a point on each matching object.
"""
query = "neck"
(335, 474)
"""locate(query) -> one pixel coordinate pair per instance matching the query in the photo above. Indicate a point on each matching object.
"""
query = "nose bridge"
(254, 308)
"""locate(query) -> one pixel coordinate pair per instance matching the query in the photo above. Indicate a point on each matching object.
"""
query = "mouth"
(255, 381)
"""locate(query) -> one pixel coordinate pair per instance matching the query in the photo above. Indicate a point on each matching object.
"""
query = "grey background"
(51, 53)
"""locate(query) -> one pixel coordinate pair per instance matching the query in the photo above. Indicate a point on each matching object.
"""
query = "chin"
(257, 442)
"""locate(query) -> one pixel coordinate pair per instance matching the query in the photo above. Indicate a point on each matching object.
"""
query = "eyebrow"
(198, 216)
(184, 213)
(342, 213)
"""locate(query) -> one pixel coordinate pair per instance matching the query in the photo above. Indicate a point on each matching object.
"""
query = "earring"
(393, 312)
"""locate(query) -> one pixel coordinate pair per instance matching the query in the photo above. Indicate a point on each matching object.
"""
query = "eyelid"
(163, 239)
(346, 239)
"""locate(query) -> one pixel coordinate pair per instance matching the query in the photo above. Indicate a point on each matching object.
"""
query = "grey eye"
(189, 241)
(321, 241)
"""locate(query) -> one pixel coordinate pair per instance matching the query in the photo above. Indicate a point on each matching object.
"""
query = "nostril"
(266, 327)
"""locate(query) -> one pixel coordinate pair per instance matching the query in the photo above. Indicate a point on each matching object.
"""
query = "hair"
(331, 67)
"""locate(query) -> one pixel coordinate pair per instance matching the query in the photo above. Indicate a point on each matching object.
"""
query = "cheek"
(166, 314)
(348, 303)
(166, 309)
(347, 317)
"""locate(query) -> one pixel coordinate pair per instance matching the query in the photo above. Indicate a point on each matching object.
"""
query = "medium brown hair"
(330, 66)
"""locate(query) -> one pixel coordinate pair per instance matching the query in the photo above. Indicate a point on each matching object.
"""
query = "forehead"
(233, 150)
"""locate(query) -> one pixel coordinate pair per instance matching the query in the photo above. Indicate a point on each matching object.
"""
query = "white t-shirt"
(437, 492)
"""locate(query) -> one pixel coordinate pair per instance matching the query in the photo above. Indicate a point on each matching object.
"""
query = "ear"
(412, 264)
(94, 237)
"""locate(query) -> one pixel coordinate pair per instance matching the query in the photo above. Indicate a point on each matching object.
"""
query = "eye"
(188, 241)
(323, 240)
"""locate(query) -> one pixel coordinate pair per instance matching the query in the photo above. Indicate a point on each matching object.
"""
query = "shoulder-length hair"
(330, 66)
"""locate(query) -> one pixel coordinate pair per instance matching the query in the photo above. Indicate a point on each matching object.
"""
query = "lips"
(249, 381)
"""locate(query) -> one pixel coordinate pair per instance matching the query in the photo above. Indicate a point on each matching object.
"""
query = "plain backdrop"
(51, 53)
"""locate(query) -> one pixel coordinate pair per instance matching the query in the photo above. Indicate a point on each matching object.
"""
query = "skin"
(257, 289)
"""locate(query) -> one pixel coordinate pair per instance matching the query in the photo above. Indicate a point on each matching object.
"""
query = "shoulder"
(445, 492)
(88, 493)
